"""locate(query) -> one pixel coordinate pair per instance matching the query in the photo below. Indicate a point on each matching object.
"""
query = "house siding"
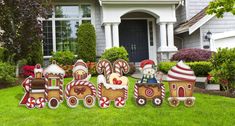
(191, 41)
(180, 15)
(195, 6)
(100, 34)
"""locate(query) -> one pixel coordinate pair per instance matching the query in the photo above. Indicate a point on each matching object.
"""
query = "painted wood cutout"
(80, 88)
(39, 90)
(181, 83)
(150, 86)
(112, 85)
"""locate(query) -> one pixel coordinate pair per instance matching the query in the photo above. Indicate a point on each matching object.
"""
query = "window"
(151, 32)
(174, 86)
(60, 29)
(189, 86)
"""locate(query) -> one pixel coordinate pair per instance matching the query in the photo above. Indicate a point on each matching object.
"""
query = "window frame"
(53, 19)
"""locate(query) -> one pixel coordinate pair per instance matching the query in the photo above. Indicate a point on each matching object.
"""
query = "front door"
(181, 92)
(133, 35)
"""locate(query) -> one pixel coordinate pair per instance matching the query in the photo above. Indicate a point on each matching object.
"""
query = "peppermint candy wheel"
(31, 103)
(104, 102)
(149, 92)
(119, 102)
(41, 102)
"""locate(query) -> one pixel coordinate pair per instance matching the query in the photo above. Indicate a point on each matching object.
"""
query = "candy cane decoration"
(61, 87)
(27, 83)
(99, 90)
(163, 91)
(121, 66)
(79, 83)
(104, 67)
(136, 91)
(46, 90)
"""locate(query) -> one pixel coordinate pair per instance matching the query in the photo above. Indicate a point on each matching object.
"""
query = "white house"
(148, 29)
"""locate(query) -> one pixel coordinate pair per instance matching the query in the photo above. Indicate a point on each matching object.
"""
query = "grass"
(208, 110)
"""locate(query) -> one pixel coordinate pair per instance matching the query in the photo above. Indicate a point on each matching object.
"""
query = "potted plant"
(212, 84)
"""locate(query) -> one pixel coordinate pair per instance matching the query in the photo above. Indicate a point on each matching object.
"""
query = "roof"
(53, 69)
(194, 23)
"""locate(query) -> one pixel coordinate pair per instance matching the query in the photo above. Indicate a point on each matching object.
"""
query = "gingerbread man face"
(149, 71)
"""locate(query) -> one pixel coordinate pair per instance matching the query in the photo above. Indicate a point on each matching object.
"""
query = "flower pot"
(213, 87)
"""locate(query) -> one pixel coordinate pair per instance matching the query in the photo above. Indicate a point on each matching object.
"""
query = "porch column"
(108, 36)
(115, 34)
(170, 33)
(163, 39)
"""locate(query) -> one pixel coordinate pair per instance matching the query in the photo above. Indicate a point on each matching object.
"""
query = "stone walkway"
(138, 75)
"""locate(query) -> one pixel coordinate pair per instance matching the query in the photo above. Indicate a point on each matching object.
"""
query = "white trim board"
(201, 22)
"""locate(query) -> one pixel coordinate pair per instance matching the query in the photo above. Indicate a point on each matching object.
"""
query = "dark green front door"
(133, 35)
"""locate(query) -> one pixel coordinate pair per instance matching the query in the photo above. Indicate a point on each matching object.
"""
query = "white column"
(170, 33)
(163, 36)
(108, 36)
(115, 34)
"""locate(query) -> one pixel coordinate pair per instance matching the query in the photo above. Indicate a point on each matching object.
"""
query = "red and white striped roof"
(181, 72)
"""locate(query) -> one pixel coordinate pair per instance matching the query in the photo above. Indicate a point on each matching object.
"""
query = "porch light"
(208, 36)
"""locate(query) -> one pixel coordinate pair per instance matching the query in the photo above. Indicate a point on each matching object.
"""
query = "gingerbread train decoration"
(80, 88)
(181, 83)
(40, 90)
(112, 85)
(149, 88)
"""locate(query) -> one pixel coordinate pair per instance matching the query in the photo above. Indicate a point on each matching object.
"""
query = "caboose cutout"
(112, 85)
(149, 87)
(181, 83)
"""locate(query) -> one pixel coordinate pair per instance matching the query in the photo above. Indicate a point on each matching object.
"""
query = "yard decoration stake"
(80, 88)
(181, 83)
(54, 87)
(112, 85)
(149, 88)
(34, 90)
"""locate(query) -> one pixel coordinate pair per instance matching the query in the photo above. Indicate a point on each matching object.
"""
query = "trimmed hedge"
(63, 57)
(191, 55)
(201, 69)
(86, 42)
(115, 53)
(7, 74)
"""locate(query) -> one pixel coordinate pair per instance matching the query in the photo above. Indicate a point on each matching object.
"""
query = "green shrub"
(7, 74)
(86, 43)
(223, 65)
(115, 53)
(2, 50)
(200, 68)
(63, 57)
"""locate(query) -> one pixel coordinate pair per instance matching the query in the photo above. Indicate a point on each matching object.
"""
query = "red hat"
(146, 64)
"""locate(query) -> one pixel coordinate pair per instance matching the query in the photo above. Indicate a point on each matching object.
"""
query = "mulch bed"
(5, 85)
(230, 93)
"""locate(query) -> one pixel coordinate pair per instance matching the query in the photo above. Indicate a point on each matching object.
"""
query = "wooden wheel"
(174, 102)
(157, 101)
(72, 102)
(189, 102)
(141, 101)
(89, 101)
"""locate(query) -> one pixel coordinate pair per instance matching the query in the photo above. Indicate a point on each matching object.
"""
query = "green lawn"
(208, 110)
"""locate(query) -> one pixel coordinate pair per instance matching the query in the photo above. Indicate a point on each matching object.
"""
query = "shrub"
(63, 57)
(223, 65)
(92, 68)
(192, 54)
(7, 74)
(2, 50)
(201, 68)
(28, 71)
(86, 42)
(115, 53)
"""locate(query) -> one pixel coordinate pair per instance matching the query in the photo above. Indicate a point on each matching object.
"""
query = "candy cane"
(104, 67)
(163, 91)
(121, 66)
(99, 90)
(136, 91)
(27, 84)
(61, 87)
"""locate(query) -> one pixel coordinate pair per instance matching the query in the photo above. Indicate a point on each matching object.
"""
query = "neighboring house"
(196, 29)
(145, 28)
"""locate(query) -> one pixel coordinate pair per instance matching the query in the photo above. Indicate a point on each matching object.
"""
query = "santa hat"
(146, 64)
(80, 65)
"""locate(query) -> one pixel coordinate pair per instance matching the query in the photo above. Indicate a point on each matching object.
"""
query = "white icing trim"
(80, 68)
(148, 66)
(54, 69)
(101, 79)
(38, 70)
(181, 98)
(53, 87)
(181, 64)
(38, 91)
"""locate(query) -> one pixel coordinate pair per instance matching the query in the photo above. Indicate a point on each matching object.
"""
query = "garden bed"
(220, 93)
